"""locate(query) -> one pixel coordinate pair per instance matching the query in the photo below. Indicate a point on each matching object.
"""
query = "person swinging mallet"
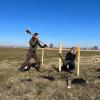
(34, 43)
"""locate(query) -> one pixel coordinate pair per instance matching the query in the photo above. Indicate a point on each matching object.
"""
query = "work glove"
(27, 31)
(45, 45)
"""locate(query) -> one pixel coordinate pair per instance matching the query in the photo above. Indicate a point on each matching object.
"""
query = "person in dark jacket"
(69, 62)
(34, 43)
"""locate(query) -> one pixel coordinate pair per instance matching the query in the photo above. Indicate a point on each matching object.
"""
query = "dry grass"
(33, 85)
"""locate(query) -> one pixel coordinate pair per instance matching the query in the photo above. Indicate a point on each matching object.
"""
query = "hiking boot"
(37, 67)
(26, 68)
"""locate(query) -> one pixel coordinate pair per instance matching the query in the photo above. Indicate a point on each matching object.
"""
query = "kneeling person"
(69, 62)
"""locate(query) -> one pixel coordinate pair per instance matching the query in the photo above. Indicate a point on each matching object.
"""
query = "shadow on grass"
(50, 78)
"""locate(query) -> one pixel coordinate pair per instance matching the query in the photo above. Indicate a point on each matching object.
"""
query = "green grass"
(14, 84)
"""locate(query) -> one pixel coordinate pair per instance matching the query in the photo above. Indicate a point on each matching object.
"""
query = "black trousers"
(71, 66)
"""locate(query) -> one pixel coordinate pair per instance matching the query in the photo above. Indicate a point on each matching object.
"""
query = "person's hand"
(27, 31)
(45, 45)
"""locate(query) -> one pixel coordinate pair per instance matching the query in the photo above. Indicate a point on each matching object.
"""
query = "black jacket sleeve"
(41, 46)
(70, 56)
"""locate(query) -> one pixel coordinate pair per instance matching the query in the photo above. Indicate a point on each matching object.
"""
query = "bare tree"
(95, 47)
(51, 45)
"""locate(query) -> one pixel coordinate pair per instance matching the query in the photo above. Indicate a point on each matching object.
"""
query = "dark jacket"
(70, 60)
(70, 57)
(34, 43)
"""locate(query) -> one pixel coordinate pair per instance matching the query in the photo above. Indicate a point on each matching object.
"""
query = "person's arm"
(41, 45)
(74, 56)
(67, 56)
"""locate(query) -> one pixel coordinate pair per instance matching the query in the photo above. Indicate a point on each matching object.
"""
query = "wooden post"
(42, 55)
(69, 82)
(60, 51)
(78, 63)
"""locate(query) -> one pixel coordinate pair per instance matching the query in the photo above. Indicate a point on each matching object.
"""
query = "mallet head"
(28, 31)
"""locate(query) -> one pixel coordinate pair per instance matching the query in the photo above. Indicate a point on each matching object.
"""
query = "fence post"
(60, 51)
(78, 63)
(42, 55)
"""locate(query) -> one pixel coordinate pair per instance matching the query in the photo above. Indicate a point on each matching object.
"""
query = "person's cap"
(73, 48)
(35, 34)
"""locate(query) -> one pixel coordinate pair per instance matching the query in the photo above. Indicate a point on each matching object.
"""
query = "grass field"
(33, 85)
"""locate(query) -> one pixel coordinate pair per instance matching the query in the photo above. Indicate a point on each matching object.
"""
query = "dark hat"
(73, 49)
(35, 34)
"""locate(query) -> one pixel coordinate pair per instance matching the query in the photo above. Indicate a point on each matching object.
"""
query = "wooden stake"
(60, 51)
(78, 63)
(42, 55)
